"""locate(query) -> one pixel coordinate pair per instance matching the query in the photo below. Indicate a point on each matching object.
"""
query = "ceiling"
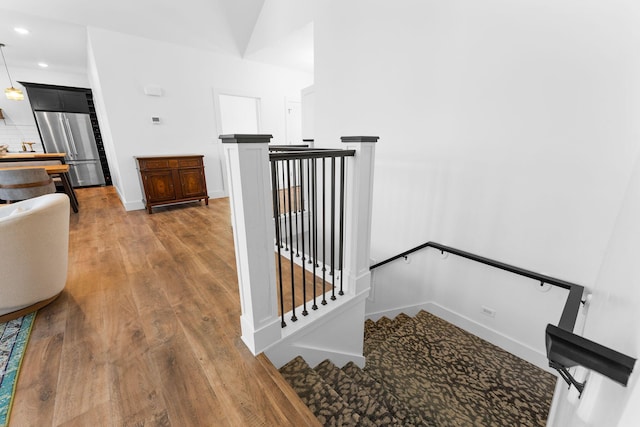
(279, 32)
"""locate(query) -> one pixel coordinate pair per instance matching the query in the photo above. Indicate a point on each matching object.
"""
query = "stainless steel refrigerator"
(72, 133)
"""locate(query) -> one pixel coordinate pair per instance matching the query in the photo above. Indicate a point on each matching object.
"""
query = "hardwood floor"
(147, 330)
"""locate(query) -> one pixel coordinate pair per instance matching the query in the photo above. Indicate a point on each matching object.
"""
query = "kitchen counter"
(17, 157)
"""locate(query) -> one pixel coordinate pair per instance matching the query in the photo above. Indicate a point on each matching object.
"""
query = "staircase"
(424, 371)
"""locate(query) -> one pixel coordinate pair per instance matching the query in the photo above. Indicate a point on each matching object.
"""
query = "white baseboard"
(515, 347)
(132, 206)
(129, 205)
(313, 356)
(218, 194)
(410, 310)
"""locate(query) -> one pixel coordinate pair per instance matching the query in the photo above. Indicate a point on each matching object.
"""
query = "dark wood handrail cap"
(359, 138)
(240, 138)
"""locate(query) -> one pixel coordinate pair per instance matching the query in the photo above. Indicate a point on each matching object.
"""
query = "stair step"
(424, 371)
(383, 329)
(325, 403)
(372, 327)
(369, 328)
(467, 380)
(404, 333)
(405, 415)
(356, 398)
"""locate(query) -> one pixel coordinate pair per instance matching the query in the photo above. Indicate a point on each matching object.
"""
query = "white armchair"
(34, 249)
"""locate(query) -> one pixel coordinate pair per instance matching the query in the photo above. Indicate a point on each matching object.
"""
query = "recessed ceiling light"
(43, 64)
(21, 30)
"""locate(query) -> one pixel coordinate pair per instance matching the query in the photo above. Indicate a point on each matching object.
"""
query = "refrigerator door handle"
(63, 125)
(69, 134)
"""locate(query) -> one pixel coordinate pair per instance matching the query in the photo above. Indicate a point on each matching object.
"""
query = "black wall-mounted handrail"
(570, 312)
(564, 348)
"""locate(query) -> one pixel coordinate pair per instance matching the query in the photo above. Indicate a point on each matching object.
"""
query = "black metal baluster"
(333, 223)
(276, 190)
(276, 215)
(304, 271)
(293, 288)
(295, 210)
(341, 244)
(315, 213)
(309, 189)
(315, 230)
(284, 202)
(324, 234)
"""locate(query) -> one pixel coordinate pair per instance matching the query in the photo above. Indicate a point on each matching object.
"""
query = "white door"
(239, 114)
(294, 122)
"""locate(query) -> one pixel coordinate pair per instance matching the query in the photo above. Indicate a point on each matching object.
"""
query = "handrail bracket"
(566, 375)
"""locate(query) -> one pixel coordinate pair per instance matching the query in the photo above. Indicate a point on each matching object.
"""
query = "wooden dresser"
(172, 179)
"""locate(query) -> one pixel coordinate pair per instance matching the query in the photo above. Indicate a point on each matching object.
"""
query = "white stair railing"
(247, 157)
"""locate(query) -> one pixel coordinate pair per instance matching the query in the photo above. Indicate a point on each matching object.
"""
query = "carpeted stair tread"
(384, 329)
(322, 400)
(369, 328)
(427, 372)
(403, 327)
(372, 327)
(404, 415)
(466, 380)
(358, 399)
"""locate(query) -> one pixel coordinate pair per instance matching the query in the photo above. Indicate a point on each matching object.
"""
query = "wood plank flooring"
(147, 330)
(300, 297)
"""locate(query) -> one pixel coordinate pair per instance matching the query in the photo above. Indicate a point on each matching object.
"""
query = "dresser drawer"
(153, 164)
(190, 163)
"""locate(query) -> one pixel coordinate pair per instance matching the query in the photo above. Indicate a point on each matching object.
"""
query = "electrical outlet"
(487, 311)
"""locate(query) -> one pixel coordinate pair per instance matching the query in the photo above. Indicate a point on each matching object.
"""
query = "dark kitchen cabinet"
(73, 101)
(44, 99)
(172, 179)
(50, 99)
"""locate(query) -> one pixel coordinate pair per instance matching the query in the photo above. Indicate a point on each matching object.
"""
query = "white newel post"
(247, 159)
(359, 207)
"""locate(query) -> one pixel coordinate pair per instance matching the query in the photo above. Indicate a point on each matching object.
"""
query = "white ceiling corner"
(294, 50)
(283, 34)
(273, 31)
(242, 17)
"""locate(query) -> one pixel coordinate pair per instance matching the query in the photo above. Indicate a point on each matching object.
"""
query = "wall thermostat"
(153, 90)
(155, 120)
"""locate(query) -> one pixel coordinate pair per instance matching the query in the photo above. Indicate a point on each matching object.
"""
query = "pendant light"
(11, 92)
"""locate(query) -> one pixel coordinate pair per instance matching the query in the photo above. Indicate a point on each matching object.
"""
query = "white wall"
(507, 129)
(103, 118)
(125, 64)
(614, 321)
